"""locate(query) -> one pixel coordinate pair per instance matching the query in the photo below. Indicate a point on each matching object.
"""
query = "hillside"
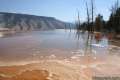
(23, 22)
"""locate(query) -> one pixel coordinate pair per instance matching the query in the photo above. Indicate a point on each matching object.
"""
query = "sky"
(65, 10)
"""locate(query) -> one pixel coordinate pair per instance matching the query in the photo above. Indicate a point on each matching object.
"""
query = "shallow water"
(46, 44)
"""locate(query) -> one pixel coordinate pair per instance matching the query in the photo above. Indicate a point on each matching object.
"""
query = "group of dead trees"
(97, 24)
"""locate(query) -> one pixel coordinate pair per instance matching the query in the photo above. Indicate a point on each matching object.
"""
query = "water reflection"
(45, 43)
(6, 33)
(1, 34)
(93, 40)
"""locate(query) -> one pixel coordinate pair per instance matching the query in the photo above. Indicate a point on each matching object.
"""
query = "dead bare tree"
(92, 12)
(115, 7)
(78, 26)
(88, 17)
(90, 26)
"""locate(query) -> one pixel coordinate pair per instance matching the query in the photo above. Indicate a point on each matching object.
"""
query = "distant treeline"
(99, 24)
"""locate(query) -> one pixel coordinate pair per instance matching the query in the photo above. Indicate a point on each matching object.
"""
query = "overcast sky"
(65, 10)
